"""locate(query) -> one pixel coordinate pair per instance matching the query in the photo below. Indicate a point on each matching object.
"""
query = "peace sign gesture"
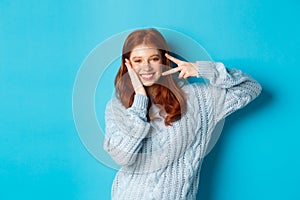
(186, 69)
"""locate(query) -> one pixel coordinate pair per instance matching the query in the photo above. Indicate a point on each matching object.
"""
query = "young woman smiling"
(157, 129)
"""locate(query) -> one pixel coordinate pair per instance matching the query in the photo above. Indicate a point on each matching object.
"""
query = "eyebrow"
(149, 57)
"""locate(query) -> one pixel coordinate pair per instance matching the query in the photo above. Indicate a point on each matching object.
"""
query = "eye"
(155, 59)
(137, 61)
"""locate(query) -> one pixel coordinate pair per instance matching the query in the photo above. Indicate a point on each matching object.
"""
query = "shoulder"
(114, 105)
(114, 101)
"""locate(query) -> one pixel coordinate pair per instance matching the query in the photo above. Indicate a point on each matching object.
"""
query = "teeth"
(146, 75)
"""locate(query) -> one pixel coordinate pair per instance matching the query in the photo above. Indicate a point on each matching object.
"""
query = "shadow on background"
(209, 167)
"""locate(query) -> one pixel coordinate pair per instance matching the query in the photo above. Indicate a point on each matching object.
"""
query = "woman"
(157, 130)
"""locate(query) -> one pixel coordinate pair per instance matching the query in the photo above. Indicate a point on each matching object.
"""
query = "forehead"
(143, 51)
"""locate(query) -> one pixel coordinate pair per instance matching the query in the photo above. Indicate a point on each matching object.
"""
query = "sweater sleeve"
(230, 89)
(126, 129)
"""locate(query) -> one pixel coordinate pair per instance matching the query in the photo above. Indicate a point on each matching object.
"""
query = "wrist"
(205, 69)
(141, 91)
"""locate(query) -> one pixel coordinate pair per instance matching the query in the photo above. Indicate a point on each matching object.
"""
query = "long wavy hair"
(166, 92)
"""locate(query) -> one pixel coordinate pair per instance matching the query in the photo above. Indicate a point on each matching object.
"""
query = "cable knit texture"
(161, 162)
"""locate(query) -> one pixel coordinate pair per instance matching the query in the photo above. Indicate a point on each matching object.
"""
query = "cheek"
(136, 68)
(158, 67)
(159, 70)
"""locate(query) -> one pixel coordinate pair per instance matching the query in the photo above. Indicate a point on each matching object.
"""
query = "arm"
(230, 89)
(126, 129)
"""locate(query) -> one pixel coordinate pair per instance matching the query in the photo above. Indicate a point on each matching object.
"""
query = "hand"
(136, 82)
(186, 69)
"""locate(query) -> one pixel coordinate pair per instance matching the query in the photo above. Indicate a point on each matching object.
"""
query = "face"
(146, 62)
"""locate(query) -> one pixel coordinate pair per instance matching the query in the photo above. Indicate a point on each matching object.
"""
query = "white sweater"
(163, 162)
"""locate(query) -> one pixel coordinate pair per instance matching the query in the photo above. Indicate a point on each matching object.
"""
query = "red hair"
(166, 92)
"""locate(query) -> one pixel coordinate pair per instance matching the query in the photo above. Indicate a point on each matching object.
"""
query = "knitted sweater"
(163, 162)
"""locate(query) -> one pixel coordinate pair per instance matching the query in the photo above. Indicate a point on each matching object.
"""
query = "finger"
(133, 76)
(186, 75)
(127, 63)
(175, 60)
(136, 83)
(181, 74)
(135, 80)
(171, 71)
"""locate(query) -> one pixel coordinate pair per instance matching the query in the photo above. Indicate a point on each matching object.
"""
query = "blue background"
(43, 43)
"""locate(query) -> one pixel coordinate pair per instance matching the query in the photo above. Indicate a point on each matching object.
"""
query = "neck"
(151, 91)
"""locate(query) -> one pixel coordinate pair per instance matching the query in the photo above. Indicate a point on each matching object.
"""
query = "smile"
(147, 76)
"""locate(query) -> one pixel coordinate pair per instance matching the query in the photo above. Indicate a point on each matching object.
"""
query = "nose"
(146, 65)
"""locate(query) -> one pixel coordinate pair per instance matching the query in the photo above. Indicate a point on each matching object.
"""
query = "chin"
(148, 84)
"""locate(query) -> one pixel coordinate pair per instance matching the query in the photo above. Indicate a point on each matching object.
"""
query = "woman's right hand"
(135, 80)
